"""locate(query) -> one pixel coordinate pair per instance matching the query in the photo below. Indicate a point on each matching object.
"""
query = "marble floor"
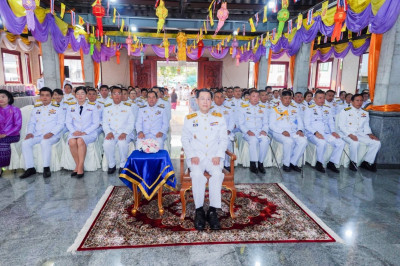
(40, 218)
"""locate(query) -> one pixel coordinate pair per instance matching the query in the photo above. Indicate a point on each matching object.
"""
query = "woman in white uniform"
(82, 121)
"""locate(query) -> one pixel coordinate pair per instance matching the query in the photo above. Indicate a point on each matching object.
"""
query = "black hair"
(81, 88)
(275, 91)
(46, 89)
(347, 94)
(319, 92)
(152, 92)
(9, 96)
(252, 91)
(67, 84)
(142, 90)
(124, 89)
(331, 91)
(237, 87)
(355, 96)
(286, 93)
(298, 93)
(204, 90)
(104, 86)
(342, 93)
(91, 89)
(115, 88)
(364, 92)
(306, 93)
(268, 87)
(58, 91)
(262, 91)
(219, 91)
(230, 88)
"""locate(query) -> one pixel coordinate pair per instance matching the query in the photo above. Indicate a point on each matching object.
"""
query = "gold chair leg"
(136, 200)
(233, 198)
(160, 206)
(183, 201)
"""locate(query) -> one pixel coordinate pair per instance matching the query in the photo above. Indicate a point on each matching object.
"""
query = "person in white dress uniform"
(320, 130)
(287, 128)
(354, 129)
(82, 121)
(152, 121)
(104, 97)
(118, 124)
(44, 127)
(253, 122)
(204, 141)
(68, 96)
(92, 99)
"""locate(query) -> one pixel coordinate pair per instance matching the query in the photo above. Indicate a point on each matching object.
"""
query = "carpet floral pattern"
(264, 213)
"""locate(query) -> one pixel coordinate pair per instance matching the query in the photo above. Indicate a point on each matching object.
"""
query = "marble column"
(51, 65)
(301, 68)
(89, 70)
(386, 125)
(262, 73)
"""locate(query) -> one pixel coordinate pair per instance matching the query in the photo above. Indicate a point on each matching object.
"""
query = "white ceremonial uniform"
(104, 101)
(40, 83)
(228, 114)
(167, 106)
(204, 136)
(286, 118)
(254, 118)
(99, 107)
(308, 103)
(356, 121)
(365, 103)
(117, 119)
(151, 120)
(235, 105)
(67, 98)
(333, 106)
(135, 110)
(193, 104)
(44, 119)
(276, 101)
(340, 105)
(320, 119)
(87, 121)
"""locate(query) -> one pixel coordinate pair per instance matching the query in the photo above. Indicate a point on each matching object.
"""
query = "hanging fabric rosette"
(283, 16)
(161, 13)
(339, 18)
(99, 12)
(222, 15)
(30, 6)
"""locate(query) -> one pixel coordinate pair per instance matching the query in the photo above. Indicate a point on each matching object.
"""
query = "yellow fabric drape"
(40, 13)
(292, 62)
(340, 47)
(96, 73)
(62, 77)
(83, 64)
(269, 63)
(329, 19)
(61, 25)
(256, 68)
(376, 5)
(385, 108)
(373, 62)
(25, 40)
(358, 43)
(11, 37)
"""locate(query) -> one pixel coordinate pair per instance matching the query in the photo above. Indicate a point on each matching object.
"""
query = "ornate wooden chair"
(228, 183)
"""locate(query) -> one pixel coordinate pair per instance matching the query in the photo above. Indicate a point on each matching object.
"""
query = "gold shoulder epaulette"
(211, 107)
(191, 116)
(142, 106)
(244, 105)
(327, 105)
(261, 105)
(348, 108)
(108, 104)
(38, 105)
(227, 107)
(38, 100)
(71, 103)
(128, 104)
(292, 104)
(91, 103)
(161, 105)
(165, 98)
(216, 114)
(311, 106)
(55, 105)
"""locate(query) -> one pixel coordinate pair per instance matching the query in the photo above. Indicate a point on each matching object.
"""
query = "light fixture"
(133, 28)
(113, 1)
(271, 4)
(235, 33)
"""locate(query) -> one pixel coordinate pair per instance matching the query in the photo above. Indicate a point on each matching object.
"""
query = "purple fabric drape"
(160, 51)
(13, 23)
(193, 53)
(386, 17)
(356, 51)
(218, 55)
(358, 21)
(104, 54)
(137, 51)
(278, 55)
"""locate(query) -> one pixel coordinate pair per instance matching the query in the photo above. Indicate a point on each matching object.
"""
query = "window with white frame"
(75, 69)
(277, 76)
(12, 66)
(324, 75)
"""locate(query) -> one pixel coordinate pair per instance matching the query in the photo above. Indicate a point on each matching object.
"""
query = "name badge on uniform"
(248, 113)
(72, 110)
(38, 112)
(89, 109)
(260, 111)
(195, 123)
(225, 112)
(294, 111)
(213, 123)
(363, 115)
(326, 112)
(123, 111)
(158, 112)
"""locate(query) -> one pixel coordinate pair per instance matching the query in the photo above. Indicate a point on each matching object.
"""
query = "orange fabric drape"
(385, 108)
(373, 62)
(131, 71)
(256, 68)
(269, 63)
(96, 67)
(291, 67)
(83, 65)
(62, 74)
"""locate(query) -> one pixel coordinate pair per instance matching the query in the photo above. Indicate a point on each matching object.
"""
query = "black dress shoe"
(368, 166)
(261, 168)
(111, 170)
(352, 166)
(212, 218)
(28, 172)
(286, 168)
(253, 167)
(295, 168)
(319, 167)
(200, 219)
(73, 174)
(331, 166)
(80, 175)
(46, 172)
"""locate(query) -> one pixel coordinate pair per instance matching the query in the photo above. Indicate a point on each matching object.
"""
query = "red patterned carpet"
(266, 213)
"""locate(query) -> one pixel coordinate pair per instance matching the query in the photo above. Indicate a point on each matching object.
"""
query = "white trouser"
(293, 147)
(109, 150)
(373, 148)
(257, 143)
(27, 149)
(337, 144)
(199, 182)
(151, 136)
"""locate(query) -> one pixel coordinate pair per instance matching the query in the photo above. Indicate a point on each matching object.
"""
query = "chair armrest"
(230, 154)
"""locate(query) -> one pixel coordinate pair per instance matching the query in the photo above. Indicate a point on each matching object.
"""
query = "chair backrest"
(26, 116)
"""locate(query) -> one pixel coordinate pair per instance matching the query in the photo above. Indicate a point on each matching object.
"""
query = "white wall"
(350, 71)
(233, 75)
(113, 74)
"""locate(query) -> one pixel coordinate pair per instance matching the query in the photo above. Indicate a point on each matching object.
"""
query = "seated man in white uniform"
(204, 141)
(228, 114)
(118, 124)
(287, 128)
(163, 101)
(104, 97)
(68, 96)
(354, 129)
(92, 99)
(320, 130)
(44, 127)
(253, 122)
(152, 121)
